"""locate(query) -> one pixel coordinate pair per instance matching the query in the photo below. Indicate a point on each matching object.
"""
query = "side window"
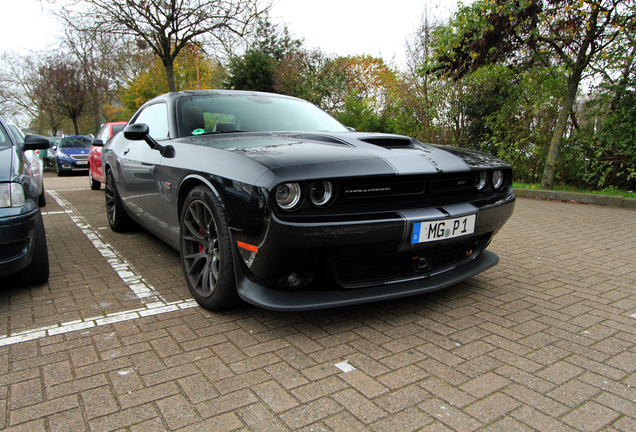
(156, 117)
(102, 134)
(4, 139)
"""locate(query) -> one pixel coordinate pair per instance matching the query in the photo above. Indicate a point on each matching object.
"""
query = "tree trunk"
(75, 125)
(547, 182)
(169, 65)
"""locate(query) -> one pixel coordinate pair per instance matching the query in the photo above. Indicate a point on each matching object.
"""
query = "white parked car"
(35, 162)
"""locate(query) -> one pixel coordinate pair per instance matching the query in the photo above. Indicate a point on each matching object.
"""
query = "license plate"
(443, 229)
(81, 162)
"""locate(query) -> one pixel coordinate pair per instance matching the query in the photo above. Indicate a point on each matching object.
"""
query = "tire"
(38, 271)
(42, 197)
(94, 184)
(206, 252)
(118, 219)
(59, 172)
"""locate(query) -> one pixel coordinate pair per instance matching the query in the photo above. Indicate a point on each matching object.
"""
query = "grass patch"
(567, 188)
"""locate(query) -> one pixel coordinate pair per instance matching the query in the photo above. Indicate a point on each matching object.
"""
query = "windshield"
(251, 113)
(75, 142)
(17, 134)
(118, 128)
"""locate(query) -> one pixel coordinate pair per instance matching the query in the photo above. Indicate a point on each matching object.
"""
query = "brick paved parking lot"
(544, 341)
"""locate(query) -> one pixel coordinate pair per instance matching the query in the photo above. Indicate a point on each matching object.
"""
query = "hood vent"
(390, 143)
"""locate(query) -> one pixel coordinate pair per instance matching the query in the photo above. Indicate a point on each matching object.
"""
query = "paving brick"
(366, 411)
(226, 403)
(42, 409)
(197, 388)
(98, 402)
(124, 419)
(275, 396)
(177, 412)
(402, 399)
(319, 389)
(259, 418)
(26, 393)
(591, 417)
(310, 413)
(287, 376)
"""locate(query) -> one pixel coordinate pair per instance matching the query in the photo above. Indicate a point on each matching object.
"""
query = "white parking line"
(57, 329)
(124, 269)
(153, 302)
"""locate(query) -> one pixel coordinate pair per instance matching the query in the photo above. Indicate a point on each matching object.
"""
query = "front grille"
(413, 189)
(13, 251)
(364, 271)
(80, 157)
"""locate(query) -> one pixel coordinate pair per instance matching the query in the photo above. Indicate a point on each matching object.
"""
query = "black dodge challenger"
(271, 200)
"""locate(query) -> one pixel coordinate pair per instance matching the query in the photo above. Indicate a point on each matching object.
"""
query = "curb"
(604, 200)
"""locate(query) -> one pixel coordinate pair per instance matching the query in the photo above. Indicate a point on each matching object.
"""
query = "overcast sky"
(343, 27)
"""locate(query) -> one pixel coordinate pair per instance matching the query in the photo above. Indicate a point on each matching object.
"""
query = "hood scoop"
(390, 143)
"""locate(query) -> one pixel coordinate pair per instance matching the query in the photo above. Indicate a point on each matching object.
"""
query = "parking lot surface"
(546, 340)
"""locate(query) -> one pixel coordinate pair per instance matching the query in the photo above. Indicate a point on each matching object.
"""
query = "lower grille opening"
(371, 270)
(13, 251)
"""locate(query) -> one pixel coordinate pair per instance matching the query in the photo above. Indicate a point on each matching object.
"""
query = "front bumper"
(16, 242)
(355, 262)
(68, 165)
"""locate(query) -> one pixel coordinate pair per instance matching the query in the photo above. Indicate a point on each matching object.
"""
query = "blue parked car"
(23, 250)
(72, 154)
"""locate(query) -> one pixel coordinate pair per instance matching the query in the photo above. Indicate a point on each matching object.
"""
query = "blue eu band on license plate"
(443, 229)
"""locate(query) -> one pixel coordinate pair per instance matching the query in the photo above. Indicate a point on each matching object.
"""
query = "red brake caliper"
(200, 245)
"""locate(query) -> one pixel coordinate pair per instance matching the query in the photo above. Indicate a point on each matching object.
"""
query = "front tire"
(206, 251)
(38, 271)
(118, 219)
(94, 184)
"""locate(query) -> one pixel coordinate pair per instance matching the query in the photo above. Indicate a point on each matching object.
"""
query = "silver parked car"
(35, 162)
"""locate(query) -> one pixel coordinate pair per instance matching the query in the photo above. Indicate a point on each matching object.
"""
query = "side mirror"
(136, 132)
(35, 142)
(98, 143)
(141, 131)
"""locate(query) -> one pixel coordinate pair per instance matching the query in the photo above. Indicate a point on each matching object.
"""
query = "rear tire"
(118, 219)
(206, 251)
(94, 184)
(38, 271)
(42, 197)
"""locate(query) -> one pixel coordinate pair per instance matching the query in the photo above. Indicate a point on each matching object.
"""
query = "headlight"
(321, 193)
(288, 196)
(498, 179)
(481, 181)
(62, 155)
(11, 195)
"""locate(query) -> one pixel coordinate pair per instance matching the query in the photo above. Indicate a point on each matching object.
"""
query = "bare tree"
(65, 88)
(165, 26)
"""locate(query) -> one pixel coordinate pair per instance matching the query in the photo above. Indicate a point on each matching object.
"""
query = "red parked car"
(95, 173)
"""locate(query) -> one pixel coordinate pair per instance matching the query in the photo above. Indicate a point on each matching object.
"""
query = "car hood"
(373, 153)
(7, 169)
